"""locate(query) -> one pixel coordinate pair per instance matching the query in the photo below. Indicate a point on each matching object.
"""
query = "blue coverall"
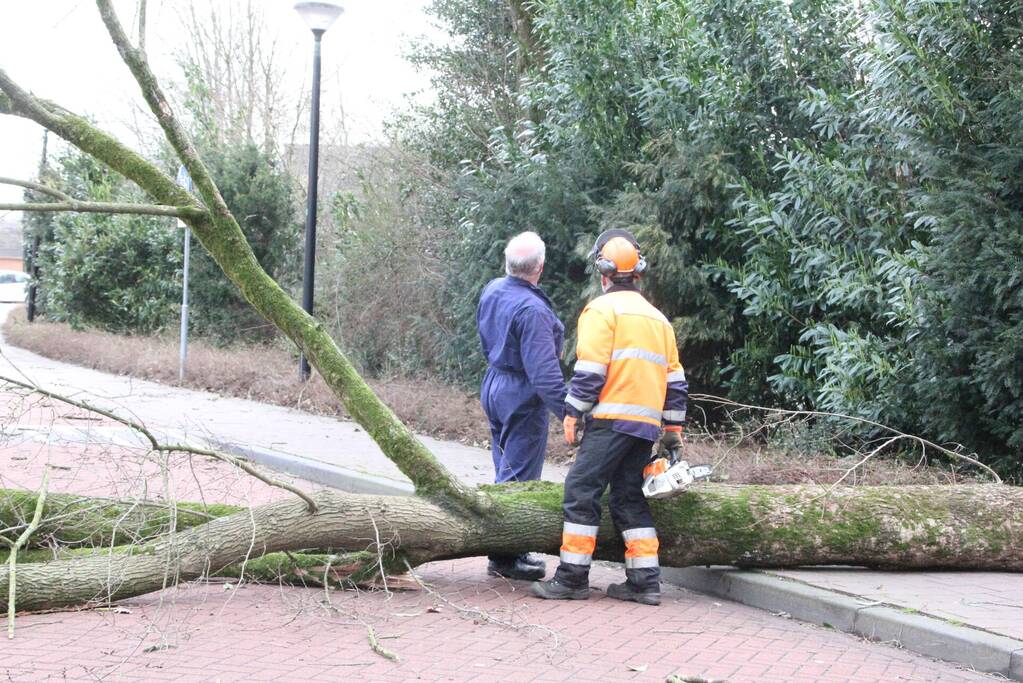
(521, 338)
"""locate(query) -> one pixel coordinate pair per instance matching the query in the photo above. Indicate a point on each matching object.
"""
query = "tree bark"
(978, 527)
(71, 520)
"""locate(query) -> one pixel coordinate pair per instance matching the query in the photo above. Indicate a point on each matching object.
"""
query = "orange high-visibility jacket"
(627, 366)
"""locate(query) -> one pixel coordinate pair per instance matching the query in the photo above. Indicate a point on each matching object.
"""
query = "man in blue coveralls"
(521, 338)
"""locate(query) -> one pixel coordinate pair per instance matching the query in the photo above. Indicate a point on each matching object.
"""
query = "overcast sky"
(59, 49)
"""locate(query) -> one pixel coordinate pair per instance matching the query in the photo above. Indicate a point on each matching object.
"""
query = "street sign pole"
(185, 181)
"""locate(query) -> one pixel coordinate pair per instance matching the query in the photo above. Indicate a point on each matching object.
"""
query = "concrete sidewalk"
(324, 450)
(974, 619)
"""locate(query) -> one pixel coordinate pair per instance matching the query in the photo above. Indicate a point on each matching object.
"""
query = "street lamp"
(318, 16)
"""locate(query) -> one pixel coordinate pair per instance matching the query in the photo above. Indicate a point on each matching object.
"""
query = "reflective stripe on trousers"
(578, 541)
(641, 547)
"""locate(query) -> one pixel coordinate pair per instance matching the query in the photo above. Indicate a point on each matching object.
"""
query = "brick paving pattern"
(468, 627)
(207, 632)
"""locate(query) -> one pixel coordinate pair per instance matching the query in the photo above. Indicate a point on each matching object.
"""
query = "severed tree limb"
(223, 239)
(12, 573)
(72, 521)
(159, 446)
(220, 234)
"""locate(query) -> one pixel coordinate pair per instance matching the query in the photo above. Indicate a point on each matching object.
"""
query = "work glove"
(573, 430)
(671, 440)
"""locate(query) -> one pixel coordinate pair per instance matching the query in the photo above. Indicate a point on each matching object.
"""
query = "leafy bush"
(827, 191)
(117, 272)
(260, 195)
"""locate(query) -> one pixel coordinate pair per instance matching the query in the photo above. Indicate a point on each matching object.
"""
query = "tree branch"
(101, 207)
(142, 25)
(69, 203)
(224, 239)
(38, 187)
(156, 445)
(18, 102)
(16, 546)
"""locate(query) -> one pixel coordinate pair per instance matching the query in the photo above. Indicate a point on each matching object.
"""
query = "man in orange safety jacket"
(627, 385)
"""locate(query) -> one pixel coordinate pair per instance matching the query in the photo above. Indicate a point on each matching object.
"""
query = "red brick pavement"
(471, 628)
(60, 441)
(206, 632)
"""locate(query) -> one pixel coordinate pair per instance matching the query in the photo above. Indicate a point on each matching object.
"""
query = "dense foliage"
(116, 272)
(123, 273)
(827, 190)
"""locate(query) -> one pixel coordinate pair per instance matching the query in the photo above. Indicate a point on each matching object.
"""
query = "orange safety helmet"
(618, 254)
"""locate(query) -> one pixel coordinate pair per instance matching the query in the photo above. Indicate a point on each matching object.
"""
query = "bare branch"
(74, 206)
(156, 445)
(38, 187)
(924, 443)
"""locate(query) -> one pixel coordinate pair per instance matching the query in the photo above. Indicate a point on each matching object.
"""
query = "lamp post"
(318, 16)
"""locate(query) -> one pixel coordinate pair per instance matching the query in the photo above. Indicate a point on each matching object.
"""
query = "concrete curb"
(926, 635)
(317, 471)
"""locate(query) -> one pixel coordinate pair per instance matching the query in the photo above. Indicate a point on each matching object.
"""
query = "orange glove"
(671, 439)
(569, 424)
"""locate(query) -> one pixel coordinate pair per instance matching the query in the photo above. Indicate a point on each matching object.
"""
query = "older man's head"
(524, 256)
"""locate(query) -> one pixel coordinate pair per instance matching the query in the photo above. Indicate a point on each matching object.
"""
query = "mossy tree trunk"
(956, 527)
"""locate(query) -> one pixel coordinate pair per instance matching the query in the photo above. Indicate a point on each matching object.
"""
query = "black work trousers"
(608, 457)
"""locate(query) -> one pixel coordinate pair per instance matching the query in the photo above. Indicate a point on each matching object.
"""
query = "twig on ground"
(375, 645)
(481, 614)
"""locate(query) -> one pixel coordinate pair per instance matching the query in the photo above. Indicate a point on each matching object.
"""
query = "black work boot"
(555, 590)
(628, 592)
(515, 568)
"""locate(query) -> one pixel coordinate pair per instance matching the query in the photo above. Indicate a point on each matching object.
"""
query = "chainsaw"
(669, 475)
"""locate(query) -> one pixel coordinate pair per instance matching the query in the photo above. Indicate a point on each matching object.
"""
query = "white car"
(13, 286)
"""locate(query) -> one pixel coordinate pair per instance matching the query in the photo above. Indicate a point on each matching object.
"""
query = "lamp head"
(319, 16)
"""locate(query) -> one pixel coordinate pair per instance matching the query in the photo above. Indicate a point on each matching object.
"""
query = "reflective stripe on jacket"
(627, 367)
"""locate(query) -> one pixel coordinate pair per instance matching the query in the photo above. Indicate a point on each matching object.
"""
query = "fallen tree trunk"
(910, 527)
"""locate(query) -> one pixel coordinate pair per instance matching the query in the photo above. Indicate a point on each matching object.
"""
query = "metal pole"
(33, 264)
(310, 218)
(183, 355)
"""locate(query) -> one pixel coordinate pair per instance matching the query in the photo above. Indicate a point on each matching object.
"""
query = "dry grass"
(270, 375)
(258, 373)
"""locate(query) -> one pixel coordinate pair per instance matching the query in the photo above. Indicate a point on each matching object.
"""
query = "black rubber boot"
(515, 568)
(555, 590)
(626, 591)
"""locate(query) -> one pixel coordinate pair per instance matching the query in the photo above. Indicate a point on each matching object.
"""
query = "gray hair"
(524, 255)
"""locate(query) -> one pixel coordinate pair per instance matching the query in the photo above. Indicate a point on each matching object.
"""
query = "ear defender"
(619, 256)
